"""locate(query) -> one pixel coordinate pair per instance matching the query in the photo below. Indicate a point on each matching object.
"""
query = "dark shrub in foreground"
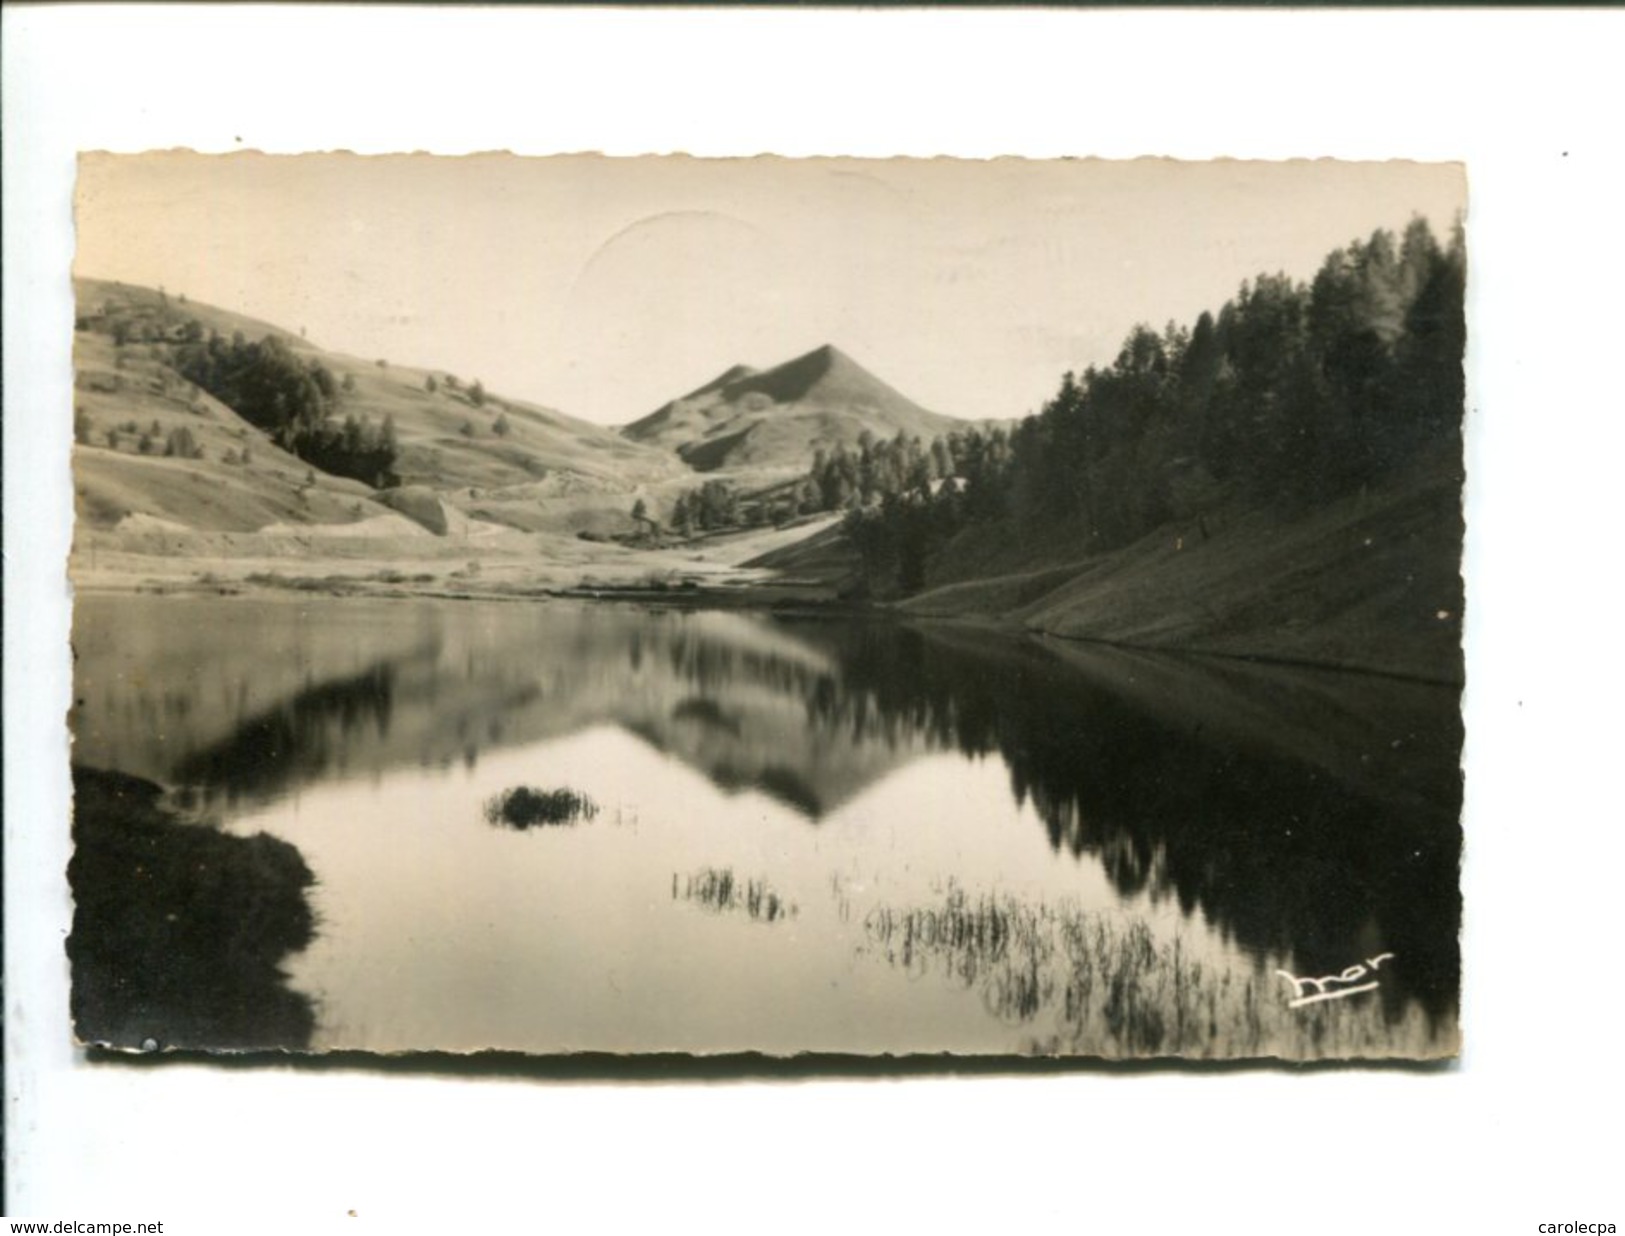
(179, 930)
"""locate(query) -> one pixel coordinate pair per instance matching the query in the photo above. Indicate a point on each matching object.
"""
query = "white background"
(1524, 1130)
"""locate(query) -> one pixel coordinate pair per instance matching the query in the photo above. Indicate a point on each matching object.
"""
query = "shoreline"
(792, 599)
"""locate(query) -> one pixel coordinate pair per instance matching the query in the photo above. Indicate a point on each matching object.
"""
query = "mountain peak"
(824, 375)
(733, 373)
(829, 356)
(779, 417)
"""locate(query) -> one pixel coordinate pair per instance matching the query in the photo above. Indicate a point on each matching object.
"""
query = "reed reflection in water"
(1299, 813)
(1102, 984)
(723, 892)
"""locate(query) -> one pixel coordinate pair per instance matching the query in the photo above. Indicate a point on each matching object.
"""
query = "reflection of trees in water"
(706, 712)
(721, 891)
(712, 665)
(179, 931)
(1276, 853)
(838, 702)
(997, 946)
(295, 740)
(1087, 983)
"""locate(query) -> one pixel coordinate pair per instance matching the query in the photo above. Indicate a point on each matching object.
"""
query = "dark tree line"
(881, 469)
(710, 508)
(918, 499)
(1291, 395)
(844, 478)
(294, 401)
(718, 506)
(873, 474)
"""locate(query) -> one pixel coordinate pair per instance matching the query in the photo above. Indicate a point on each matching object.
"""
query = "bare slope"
(779, 417)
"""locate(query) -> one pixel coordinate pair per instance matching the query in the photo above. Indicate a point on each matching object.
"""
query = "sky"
(605, 287)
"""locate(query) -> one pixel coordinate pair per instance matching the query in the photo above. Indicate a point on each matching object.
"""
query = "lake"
(799, 835)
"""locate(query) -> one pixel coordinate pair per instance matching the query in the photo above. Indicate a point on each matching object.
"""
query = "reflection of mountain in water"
(725, 694)
(1296, 812)
(753, 722)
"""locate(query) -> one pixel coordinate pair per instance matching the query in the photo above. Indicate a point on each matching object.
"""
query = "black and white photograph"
(861, 607)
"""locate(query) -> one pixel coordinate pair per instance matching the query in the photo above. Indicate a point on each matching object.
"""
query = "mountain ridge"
(780, 416)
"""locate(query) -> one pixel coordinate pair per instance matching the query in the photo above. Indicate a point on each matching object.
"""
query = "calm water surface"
(809, 836)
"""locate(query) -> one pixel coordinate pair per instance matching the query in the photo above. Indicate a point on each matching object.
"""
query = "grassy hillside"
(516, 462)
(131, 409)
(101, 302)
(449, 441)
(824, 557)
(1366, 582)
(1369, 581)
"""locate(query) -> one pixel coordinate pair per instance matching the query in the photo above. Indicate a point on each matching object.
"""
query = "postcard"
(859, 607)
